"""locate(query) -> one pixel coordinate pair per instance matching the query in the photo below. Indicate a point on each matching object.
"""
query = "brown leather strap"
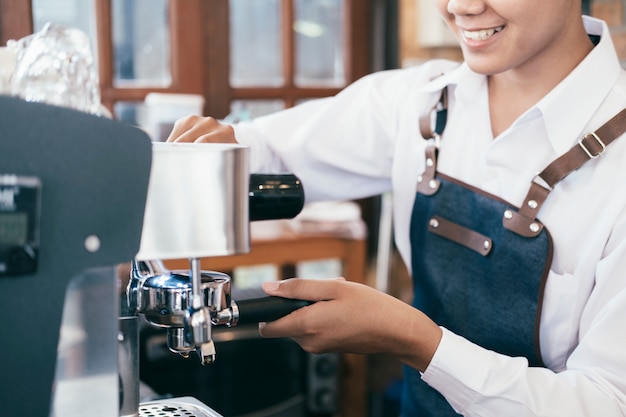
(426, 125)
(523, 222)
(439, 112)
(471, 239)
(591, 146)
(427, 183)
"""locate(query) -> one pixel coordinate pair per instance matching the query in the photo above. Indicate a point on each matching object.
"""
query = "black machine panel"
(73, 189)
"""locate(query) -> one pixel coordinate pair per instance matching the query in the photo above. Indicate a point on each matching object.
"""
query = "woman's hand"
(351, 317)
(201, 129)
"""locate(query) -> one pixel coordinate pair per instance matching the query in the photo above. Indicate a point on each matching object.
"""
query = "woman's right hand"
(201, 129)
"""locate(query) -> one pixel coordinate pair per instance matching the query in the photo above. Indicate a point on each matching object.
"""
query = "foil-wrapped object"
(56, 66)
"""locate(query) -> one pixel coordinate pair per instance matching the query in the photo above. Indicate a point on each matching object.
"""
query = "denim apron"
(479, 263)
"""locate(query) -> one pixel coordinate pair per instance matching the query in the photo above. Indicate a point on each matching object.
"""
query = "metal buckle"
(587, 151)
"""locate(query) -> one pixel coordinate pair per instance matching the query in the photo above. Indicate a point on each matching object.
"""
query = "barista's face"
(518, 35)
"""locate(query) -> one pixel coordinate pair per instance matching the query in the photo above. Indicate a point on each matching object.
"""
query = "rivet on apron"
(429, 162)
(532, 204)
(419, 179)
(534, 227)
(434, 223)
(508, 214)
(432, 184)
(486, 244)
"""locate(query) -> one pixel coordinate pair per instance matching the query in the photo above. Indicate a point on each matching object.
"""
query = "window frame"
(219, 94)
(16, 20)
(186, 70)
(199, 61)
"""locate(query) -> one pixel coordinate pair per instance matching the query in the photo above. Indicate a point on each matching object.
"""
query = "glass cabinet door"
(141, 43)
(320, 43)
(293, 49)
(245, 58)
(256, 43)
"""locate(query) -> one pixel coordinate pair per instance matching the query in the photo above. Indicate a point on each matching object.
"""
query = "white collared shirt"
(366, 141)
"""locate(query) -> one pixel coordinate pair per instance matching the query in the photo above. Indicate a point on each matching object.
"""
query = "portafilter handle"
(264, 309)
(257, 310)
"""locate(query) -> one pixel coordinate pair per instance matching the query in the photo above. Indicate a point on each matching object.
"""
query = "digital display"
(13, 228)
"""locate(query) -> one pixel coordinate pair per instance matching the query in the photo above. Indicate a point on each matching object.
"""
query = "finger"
(222, 134)
(181, 126)
(208, 133)
(305, 289)
(292, 325)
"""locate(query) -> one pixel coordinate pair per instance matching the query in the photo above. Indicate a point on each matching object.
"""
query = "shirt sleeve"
(341, 147)
(479, 382)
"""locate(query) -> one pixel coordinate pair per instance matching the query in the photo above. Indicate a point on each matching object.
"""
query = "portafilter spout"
(198, 318)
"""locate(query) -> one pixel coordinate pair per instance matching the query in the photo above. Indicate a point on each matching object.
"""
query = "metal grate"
(171, 410)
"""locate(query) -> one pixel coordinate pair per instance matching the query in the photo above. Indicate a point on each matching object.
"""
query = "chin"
(484, 67)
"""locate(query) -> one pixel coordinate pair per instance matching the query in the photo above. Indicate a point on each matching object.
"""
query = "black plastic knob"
(275, 196)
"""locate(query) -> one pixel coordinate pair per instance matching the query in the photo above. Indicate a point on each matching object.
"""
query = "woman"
(520, 289)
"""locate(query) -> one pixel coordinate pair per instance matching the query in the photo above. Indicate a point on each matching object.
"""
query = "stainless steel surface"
(187, 303)
(87, 360)
(177, 343)
(197, 206)
(198, 318)
(164, 299)
(128, 363)
(197, 203)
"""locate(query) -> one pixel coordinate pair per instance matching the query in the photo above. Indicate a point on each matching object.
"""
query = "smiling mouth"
(481, 35)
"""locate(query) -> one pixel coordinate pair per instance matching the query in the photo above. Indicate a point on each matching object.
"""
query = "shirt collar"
(568, 107)
(460, 75)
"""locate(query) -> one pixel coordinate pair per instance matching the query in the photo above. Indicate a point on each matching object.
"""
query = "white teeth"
(481, 35)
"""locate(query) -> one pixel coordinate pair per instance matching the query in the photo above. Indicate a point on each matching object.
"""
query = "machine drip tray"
(176, 407)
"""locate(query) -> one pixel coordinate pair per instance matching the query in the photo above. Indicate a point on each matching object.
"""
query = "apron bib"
(474, 277)
(479, 263)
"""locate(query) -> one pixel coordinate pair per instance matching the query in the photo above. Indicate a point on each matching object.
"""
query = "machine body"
(73, 189)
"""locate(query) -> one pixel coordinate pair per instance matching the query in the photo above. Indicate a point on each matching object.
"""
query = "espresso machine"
(81, 197)
(198, 206)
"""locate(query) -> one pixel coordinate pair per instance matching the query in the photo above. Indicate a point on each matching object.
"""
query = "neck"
(513, 92)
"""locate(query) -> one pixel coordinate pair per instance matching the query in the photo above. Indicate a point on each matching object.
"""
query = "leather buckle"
(589, 153)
